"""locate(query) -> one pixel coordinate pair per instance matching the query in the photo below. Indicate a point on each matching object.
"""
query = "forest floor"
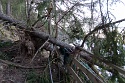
(18, 69)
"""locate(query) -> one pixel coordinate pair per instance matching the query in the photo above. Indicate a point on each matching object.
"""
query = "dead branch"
(20, 66)
(39, 49)
(38, 34)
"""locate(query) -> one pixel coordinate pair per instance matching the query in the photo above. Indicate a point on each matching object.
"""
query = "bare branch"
(39, 50)
(66, 13)
(20, 66)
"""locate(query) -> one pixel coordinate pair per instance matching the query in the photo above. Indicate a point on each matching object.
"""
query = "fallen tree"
(45, 36)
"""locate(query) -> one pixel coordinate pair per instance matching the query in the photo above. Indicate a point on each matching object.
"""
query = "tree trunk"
(8, 8)
(1, 8)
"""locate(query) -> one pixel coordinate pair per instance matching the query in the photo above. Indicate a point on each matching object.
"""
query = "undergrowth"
(4, 45)
(33, 77)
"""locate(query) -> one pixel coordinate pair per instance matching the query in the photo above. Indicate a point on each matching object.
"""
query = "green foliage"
(32, 77)
(5, 44)
(83, 77)
(18, 9)
(3, 53)
(75, 30)
(111, 48)
(67, 78)
(116, 78)
(3, 56)
(41, 7)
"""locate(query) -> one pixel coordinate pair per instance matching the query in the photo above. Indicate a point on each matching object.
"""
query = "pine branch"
(99, 28)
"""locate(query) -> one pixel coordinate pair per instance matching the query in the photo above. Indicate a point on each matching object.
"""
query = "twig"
(56, 23)
(39, 50)
(66, 13)
(38, 20)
